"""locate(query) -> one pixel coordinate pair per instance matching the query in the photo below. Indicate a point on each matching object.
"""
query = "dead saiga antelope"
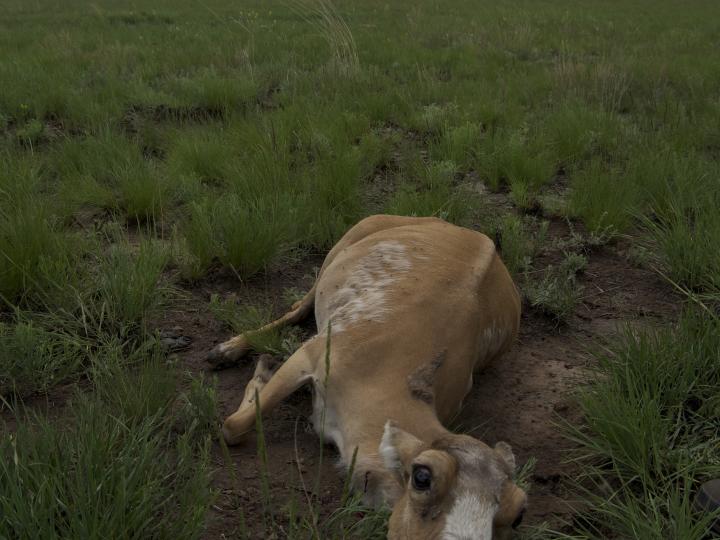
(414, 307)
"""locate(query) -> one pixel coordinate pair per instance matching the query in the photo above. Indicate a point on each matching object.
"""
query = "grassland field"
(180, 169)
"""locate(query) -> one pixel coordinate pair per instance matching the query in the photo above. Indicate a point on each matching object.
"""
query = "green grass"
(35, 254)
(556, 292)
(519, 241)
(603, 198)
(578, 131)
(75, 317)
(646, 450)
(685, 240)
(456, 144)
(245, 235)
(109, 172)
(116, 469)
(136, 144)
(34, 251)
(431, 191)
(683, 225)
(188, 122)
(33, 359)
(204, 154)
(128, 281)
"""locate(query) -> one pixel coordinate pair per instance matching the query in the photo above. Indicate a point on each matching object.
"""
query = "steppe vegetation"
(146, 150)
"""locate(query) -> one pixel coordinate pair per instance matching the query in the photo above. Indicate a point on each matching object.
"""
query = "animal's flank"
(421, 381)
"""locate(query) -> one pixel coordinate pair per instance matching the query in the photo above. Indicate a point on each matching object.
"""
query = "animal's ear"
(504, 450)
(513, 501)
(398, 448)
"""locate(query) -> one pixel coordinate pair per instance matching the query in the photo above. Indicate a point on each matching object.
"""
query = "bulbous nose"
(518, 519)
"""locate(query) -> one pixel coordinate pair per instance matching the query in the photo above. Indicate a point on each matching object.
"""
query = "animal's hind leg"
(235, 348)
(271, 389)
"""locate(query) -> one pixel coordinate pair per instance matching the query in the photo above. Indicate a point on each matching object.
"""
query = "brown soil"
(520, 399)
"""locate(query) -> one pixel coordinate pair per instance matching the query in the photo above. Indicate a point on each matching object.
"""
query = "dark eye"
(518, 520)
(421, 478)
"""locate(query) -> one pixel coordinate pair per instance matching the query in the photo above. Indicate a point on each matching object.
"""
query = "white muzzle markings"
(469, 519)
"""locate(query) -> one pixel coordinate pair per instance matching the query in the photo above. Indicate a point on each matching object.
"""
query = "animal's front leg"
(271, 388)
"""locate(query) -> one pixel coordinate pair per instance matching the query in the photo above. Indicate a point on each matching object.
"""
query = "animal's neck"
(412, 415)
(425, 426)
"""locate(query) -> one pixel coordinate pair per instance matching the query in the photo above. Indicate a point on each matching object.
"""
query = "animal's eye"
(421, 478)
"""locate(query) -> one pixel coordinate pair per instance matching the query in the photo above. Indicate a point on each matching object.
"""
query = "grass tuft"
(556, 292)
(519, 241)
(128, 285)
(34, 254)
(245, 235)
(686, 240)
(324, 15)
(646, 450)
(33, 359)
(455, 144)
(109, 472)
(603, 198)
(432, 194)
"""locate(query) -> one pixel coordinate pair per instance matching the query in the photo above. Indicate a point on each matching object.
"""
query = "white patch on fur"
(387, 450)
(363, 296)
(329, 430)
(491, 340)
(469, 519)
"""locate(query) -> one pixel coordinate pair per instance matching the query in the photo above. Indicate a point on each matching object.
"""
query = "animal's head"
(455, 488)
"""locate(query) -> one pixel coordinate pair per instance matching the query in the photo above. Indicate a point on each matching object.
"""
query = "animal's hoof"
(231, 434)
(227, 436)
(218, 358)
